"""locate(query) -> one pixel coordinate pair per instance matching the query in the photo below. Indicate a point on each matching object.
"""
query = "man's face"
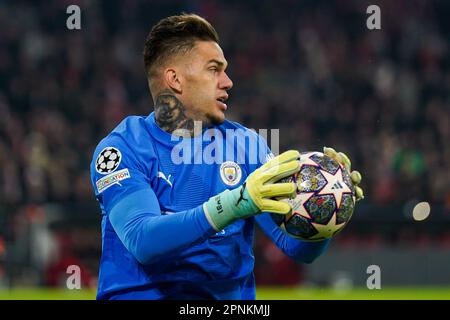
(205, 83)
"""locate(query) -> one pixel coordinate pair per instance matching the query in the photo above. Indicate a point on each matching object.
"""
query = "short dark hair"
(175, 35)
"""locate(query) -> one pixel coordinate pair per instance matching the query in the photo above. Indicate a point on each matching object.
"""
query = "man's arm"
(150, 236)
(299, 250)
(132, 207)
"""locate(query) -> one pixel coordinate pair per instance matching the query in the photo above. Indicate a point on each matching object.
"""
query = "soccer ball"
(324, 202)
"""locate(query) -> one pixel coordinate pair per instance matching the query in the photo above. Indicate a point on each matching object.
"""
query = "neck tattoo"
(170, 115)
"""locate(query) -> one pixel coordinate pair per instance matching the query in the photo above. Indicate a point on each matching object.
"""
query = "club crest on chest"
(230, 173)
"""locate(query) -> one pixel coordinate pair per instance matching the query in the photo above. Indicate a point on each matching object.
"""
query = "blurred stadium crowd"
(309, 68)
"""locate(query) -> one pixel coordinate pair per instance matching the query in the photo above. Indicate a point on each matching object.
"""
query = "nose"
(225, 82)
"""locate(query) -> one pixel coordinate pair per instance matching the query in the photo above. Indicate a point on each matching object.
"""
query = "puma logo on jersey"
(163, 176)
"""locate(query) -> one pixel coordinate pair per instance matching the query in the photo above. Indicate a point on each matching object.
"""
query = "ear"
(172, 79)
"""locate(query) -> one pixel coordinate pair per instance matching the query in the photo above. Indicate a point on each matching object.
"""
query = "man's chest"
(184, 186)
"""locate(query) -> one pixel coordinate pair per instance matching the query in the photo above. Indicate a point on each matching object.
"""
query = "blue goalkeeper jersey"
(156, 240)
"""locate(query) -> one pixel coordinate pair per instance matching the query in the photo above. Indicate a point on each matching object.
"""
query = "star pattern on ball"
(335, 186)
(307, 161)
(298, 206)
(327, 230)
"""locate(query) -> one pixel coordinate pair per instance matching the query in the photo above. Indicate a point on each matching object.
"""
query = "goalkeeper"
(185, 230)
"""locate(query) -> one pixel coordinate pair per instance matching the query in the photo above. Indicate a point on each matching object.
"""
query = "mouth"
(221, 102)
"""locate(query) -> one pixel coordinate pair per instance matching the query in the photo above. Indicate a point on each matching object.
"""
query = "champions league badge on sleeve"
(108, 160)
(231, 173)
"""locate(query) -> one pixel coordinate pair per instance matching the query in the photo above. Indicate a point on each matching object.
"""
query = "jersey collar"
(165, 137)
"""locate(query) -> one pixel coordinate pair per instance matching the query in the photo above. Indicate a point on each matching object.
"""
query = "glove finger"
(330, 152)
(345, 161)
(359, 193)
(281, 171)
(279, 190)
(356, 177)
(276, 206)
(333, 155)
(287, 156)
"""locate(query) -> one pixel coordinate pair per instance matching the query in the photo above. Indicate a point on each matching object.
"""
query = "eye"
(213, 69)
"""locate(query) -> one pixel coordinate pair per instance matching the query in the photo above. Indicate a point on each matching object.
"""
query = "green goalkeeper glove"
(257, 193)
(345, 161)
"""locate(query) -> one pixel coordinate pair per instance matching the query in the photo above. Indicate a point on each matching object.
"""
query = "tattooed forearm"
(170, 114)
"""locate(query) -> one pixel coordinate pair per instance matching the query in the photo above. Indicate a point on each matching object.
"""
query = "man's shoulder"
(130, 135)
(132, 129)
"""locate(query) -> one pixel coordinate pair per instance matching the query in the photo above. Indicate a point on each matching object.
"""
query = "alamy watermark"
(374, 279)
(73, 22)
(216, 146)
(73, 281)
(373, 22)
